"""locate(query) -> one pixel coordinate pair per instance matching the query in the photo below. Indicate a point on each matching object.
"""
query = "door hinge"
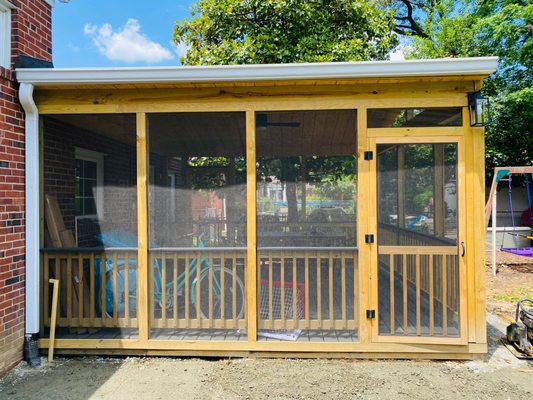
(371, 314)
(369, 238)
(368, 155)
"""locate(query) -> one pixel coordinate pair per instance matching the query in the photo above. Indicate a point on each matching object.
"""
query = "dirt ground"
(498, 376)
(514, 280)
(162, 378)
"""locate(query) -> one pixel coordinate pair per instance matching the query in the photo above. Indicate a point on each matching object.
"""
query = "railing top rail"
(295, 248)
(87, 249)
(197, 249)
(421, 235)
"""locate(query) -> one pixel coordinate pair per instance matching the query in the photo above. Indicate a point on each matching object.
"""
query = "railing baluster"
(187, 293)
(198, 289)
(163, 286)
(115, 289)
(343, 291)
(294, 295)
(307, 322)
(270, 300)
(69, 290)
(431, 298)
(319, 289)
(444, 297)
(127, 289)
(80, 290)
(103, 293)
(92, 290)
(417, 272)
(405, 309)
(223, 290)
(175, 289)
(46, 290)
(234, 291)
(210, 287)
(331, 264)
(282, 291)
(392, 266)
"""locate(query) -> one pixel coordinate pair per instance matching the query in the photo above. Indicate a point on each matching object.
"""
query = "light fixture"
(479, 109)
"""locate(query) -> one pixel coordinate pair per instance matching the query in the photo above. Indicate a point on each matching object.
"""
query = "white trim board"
(5, 33)
(32, 208)
(476, 66)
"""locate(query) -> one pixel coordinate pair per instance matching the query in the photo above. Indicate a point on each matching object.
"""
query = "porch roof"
(468, 67)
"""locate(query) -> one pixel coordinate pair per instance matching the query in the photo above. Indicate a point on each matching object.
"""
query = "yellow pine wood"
(251, 254)
(142, 226)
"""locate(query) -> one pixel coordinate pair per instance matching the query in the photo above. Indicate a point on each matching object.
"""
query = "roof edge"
(479, 66)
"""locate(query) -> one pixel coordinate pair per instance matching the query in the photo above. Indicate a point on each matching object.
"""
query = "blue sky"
(116, 33)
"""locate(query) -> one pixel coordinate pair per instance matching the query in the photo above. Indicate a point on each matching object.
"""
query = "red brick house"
(25, 40)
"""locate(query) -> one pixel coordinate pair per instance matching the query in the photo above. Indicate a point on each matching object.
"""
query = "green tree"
(492, 27)
(284, 31)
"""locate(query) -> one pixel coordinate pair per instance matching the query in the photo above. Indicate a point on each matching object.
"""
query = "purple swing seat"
(521, 251)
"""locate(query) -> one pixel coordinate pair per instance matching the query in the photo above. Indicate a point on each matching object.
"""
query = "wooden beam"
(428, 347)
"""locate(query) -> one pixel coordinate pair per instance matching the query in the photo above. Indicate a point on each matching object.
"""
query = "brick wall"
(120, 191)
(31, 36)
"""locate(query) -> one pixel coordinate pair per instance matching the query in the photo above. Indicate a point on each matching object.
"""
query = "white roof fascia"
(50, 2)
(263, 72)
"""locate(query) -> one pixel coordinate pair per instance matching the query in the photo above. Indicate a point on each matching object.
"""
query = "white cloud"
(127, 44)
(180, 49)
(400, 52)
(397, 55)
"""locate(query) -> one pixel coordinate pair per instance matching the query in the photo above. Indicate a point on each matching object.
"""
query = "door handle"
(464, 249)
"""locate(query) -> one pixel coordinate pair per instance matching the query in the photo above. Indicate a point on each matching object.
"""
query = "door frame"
(419, 136)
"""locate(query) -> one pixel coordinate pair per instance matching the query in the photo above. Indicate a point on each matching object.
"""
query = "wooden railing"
(307, 288)
(427, 266)
(89, 287)
(201, 288)
(391, 235)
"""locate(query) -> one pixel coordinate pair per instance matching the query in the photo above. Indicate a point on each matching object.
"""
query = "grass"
(516, 294)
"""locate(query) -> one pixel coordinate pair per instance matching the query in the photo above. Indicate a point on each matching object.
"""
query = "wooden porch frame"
(350, 96)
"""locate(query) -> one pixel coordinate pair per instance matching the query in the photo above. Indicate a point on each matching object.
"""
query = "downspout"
(32, 221)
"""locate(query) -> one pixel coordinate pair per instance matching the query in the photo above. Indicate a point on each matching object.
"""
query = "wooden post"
(142, 227)
(53, 319)
(251, 242)
(493, 237)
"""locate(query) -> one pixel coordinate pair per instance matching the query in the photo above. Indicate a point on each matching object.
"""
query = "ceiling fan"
(261, 121)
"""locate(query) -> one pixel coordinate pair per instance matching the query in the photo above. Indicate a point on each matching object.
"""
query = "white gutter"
(32, 207)
(479, 66)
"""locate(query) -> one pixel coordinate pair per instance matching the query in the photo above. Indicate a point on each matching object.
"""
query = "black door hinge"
(371, 314)
(368, 155)
(369, 238)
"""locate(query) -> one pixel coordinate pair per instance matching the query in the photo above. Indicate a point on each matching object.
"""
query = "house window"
(88, 192)
(5, 33)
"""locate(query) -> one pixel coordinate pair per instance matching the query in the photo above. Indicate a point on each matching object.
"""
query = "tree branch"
(413, 28)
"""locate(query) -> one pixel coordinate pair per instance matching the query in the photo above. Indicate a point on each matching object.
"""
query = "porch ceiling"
(320, 133)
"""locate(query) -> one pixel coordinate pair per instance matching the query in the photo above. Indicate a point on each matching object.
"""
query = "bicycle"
(192, 277)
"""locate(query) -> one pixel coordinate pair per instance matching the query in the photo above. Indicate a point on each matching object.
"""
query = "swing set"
(506, 174)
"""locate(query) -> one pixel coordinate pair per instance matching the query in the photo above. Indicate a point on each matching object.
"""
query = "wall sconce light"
(479, 109)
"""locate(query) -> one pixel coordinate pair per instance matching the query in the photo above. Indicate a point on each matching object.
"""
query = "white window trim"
(98, 158)
(5, 33)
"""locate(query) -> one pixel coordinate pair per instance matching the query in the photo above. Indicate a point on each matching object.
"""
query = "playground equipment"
(506, 174)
